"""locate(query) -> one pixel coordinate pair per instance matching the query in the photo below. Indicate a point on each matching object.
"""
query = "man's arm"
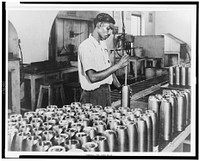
(116, 81)
(96, 76)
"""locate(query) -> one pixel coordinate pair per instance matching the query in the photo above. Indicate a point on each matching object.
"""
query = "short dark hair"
(103, 17)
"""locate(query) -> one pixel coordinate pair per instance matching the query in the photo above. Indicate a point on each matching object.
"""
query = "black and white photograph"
(91, 79)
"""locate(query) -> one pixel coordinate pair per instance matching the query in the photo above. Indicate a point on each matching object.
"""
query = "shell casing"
(142, 135)
(59, 139)
(112, 140)
(155, 126)
(188, 106)
(147, 118)
(76, 104)
(188, 76)
(125, 96)
(92, 131)
(183, 76)
(154, 105)
(173, 101)
(165, 125)
(48, 135)
(83, 137)
(44, 145)
(56, 149)
(122, 137)
(72, 144)
(102, 143)
(171, 76)
(28, 144)
(90, 147)
(101, 126)
(181, 112)
(177, 75)
(132, 136)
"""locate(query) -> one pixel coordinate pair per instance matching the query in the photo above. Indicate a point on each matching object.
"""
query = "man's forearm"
(96, 76)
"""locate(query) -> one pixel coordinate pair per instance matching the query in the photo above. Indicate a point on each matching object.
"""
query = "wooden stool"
(50, 87)
(152, 62)
(135, 61)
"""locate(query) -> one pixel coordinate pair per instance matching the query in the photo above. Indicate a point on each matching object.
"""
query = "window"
(136, 25)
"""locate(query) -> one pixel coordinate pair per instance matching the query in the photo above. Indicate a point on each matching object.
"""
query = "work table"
(45, 75)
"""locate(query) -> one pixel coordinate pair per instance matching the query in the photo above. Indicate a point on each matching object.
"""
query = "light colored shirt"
(92, 55)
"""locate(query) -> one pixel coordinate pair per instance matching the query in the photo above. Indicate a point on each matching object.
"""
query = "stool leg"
(135, 69)
(40, 97)
(142, 67)
(50, 94)
(62, 93)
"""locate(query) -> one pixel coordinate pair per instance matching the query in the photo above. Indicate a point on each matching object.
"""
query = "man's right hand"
(124, 61)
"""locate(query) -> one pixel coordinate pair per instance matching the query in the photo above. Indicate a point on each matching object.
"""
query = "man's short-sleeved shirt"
(92, 55)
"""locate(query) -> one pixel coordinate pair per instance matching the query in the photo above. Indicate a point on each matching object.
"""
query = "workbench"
(44, 76)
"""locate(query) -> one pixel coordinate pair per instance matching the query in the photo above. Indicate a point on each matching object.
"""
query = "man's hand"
(124, 61)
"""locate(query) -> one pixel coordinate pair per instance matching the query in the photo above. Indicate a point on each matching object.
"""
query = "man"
(96, 73)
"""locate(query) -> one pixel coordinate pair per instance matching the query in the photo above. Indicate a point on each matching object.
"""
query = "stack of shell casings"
(173, 109)
(88, 128)
(180, 75)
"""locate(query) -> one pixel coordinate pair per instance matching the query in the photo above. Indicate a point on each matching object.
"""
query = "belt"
(105, 85)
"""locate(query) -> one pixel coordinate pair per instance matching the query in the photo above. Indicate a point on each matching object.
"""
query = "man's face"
(105, 30)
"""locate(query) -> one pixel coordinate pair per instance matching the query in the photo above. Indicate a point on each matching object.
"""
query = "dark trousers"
(100, 96)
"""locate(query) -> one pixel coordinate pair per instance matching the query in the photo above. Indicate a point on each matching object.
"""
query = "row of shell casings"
(173, 112)
(180, 75)
(51, 126)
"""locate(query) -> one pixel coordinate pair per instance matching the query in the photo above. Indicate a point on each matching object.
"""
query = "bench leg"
(40, 97)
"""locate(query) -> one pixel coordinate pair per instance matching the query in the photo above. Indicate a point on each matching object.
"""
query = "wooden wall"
(60, 40)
